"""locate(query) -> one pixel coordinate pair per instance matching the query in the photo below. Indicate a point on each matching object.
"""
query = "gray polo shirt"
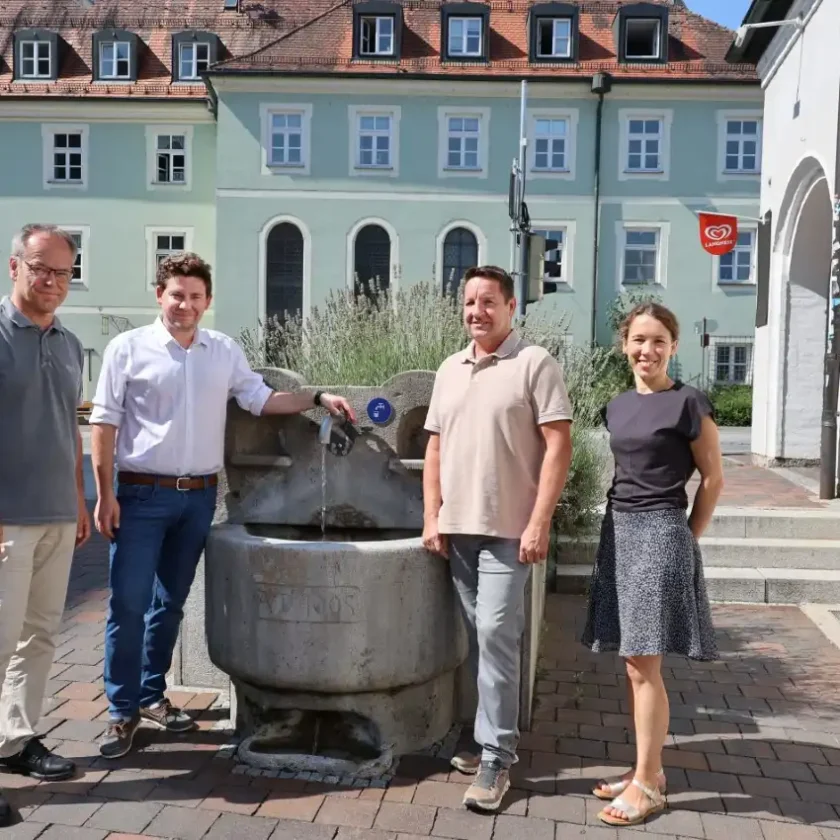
(40, 388)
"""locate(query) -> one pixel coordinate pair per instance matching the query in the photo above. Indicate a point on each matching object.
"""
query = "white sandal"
(634, 815)
(615, 785)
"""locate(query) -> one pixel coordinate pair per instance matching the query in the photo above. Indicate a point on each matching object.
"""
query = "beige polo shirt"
(487, 412)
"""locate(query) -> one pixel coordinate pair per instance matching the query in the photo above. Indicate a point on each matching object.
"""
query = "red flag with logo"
(718, 233)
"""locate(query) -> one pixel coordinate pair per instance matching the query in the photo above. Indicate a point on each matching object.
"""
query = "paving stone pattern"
(753, 752)
(751, 486)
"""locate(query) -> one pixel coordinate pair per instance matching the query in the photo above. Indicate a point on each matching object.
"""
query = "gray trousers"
(490, 582)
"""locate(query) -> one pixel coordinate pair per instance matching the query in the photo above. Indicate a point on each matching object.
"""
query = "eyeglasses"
(43, 272)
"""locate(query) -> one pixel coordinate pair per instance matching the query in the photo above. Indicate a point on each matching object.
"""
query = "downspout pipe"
(831, 379)
(601, 85)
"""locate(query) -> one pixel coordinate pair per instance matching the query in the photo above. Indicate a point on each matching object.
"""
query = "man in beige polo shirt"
(496, 463)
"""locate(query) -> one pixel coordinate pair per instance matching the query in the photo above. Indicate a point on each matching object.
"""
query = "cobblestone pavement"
(750, 486)
(753, 752)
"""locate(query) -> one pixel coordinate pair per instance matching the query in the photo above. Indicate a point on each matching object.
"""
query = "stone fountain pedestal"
(364, 625)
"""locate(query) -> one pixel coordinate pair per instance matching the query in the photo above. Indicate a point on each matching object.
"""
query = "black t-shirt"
(650, 437)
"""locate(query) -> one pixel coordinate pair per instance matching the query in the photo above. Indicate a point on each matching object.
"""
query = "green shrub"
(356, 341)
(732, 404)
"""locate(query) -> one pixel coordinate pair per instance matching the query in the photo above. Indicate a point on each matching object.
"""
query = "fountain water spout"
(337, 434)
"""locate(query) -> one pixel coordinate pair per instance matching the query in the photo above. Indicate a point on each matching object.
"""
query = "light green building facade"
(293, 184)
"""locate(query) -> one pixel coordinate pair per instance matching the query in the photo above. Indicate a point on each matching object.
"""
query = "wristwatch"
(317, 398)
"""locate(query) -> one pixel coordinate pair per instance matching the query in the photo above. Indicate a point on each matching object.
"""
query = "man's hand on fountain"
(433, 540)
(338, 406)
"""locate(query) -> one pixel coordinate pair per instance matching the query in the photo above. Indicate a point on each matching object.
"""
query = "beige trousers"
(34, 570)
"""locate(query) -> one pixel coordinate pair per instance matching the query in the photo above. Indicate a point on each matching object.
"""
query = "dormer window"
(376, 36)
(36, 55)
(642, 32)
(115, 56)
(465, 36)
(115, 60)
(554, 39)
(377, 28)
(642, 39)
(192, 54)
(465, 31)
(553, 32)
(193, 60)
(35, 59)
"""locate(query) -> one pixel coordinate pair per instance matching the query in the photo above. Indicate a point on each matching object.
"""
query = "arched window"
(284, 271)
(372, 259)
(460, 252)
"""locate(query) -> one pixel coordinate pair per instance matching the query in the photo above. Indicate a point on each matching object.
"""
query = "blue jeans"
(154, 555)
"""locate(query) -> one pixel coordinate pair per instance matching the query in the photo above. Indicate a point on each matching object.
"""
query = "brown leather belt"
(184, 482)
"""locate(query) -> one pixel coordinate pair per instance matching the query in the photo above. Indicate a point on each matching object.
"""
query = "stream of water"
(323, 492)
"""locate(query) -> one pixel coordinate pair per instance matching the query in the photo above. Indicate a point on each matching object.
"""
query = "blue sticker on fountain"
(380, 410)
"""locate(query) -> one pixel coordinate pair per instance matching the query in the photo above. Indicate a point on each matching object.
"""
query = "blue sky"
(728, 12)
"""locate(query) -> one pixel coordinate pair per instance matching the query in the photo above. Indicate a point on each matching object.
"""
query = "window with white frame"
(465, 36)
(376, 35)
(555, 248)
(286, 135)
(193, 60)
(171, 159)
(163, 243)
(733, 364)
(115, 60)
(644, 145)
(642, 39)
(742, 146)
(67, 157)
(36, 60)
(640, 256)
(738, 266)
(374, 141)
(554, 38)
(79, 266)
(551, 136)
(463, 136)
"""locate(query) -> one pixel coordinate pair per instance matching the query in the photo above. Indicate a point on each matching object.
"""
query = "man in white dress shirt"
(162, 400)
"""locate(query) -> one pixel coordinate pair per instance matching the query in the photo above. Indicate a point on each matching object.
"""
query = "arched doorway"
(284, 271)
(808, 294)
(460, 252)
(372, 260)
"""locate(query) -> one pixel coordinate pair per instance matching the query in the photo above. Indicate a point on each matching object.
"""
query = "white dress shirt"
(169, 403)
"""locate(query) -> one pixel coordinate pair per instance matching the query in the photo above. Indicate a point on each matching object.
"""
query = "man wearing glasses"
(43, 516)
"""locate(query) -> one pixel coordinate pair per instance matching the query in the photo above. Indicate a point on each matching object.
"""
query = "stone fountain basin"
(360, 611)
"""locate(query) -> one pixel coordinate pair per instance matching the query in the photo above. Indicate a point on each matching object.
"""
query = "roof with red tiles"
(256, 24)
(696, 47)
(314, 37)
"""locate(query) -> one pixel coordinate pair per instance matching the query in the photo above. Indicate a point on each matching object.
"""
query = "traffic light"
(539, 267)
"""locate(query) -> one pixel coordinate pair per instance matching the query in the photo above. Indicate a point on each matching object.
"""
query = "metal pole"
(831, 380)
(523, 233)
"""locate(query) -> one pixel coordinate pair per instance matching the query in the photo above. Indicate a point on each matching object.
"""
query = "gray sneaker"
(166, 716)
(466, 762)
(489, 788)
(118, 737)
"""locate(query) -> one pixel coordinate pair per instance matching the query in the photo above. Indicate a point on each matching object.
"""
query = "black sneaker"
(37, 761)
(118, 737)
(166, 716)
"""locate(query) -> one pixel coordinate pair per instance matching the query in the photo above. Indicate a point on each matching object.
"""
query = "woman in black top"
(648, 596)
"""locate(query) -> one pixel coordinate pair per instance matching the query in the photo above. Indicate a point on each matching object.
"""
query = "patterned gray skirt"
(648, 595)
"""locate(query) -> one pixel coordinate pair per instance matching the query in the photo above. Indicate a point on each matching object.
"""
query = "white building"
(799, 64)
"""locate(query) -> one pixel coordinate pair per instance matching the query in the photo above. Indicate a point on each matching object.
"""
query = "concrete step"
(726, 584)
(752, 553)
(736, 553)
(781, 523)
